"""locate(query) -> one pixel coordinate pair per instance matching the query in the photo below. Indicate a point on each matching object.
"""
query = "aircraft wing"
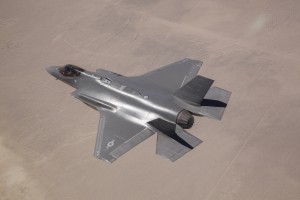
(117, 135)
(171, 77)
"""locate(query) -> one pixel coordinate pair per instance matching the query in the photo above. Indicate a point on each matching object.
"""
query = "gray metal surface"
(214, 103)
(170, 77)
(116, 135)
(134, 108)
(194, 91)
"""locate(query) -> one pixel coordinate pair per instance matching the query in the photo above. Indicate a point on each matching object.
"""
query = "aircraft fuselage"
(113, 92)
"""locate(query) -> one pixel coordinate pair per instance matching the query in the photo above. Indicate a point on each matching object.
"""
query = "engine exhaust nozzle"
(185, 119)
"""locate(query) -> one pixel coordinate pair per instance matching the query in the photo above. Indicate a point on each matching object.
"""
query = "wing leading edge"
(171, 77)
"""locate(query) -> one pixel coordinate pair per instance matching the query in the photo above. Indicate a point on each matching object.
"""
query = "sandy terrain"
(47, 137)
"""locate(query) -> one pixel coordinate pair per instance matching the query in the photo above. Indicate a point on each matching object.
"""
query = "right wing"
(117, 135)
(170, 77)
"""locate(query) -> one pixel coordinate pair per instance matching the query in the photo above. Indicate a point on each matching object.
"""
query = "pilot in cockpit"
(71, 70)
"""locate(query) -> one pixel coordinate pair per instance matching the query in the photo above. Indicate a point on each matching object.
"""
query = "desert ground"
(47, 137)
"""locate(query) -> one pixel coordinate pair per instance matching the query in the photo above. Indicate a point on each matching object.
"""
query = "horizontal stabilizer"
(172, 141)
(195, 90)
(214, 103)
(171, 149)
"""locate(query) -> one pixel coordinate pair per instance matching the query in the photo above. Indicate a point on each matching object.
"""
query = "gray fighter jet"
(132, 109)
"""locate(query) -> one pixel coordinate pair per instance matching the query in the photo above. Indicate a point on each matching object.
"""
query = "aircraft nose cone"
(52, 70)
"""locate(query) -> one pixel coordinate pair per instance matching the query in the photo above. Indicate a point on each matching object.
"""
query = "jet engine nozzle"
(185, 119)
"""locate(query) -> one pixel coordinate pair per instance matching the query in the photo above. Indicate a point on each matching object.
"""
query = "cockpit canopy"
(70, 70)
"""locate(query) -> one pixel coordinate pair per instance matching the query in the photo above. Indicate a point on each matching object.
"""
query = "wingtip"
(197, 62)
(109, 160)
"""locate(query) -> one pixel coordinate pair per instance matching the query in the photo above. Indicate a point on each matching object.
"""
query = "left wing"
(117, 135)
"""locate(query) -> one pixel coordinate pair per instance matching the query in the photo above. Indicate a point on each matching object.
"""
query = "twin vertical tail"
(198, 97)
(214, 103)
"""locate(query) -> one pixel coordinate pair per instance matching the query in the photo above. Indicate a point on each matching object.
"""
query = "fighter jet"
(132, 109)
